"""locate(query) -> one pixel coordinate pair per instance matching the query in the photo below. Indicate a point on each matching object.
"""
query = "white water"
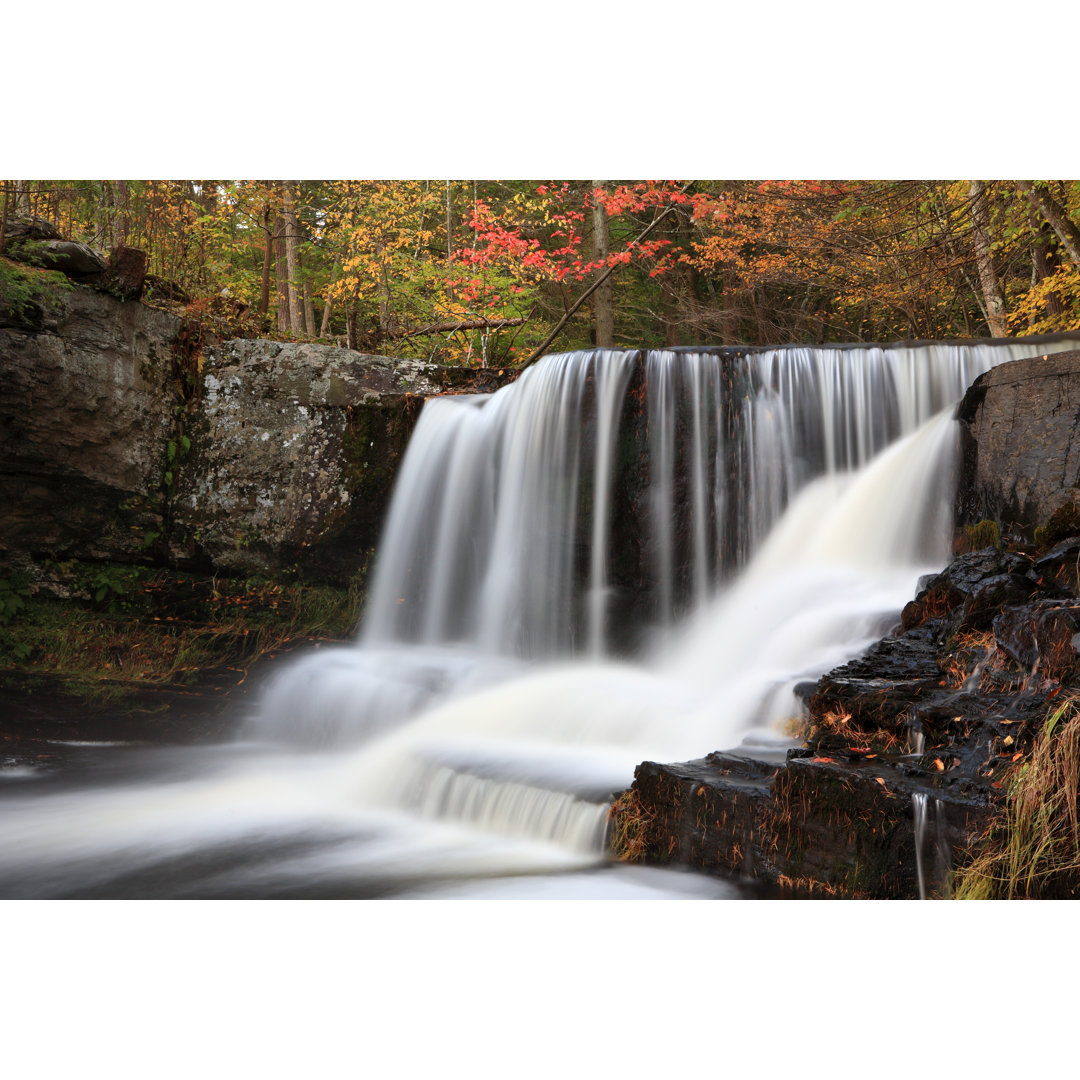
(479, 728)
(937, 874)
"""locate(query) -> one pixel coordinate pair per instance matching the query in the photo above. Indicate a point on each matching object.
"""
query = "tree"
(603, 301)
(991, 289)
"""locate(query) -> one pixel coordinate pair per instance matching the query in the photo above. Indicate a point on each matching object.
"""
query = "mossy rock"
(1062, 523)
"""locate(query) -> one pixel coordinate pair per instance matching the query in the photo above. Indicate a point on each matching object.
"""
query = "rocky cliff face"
(117, 442)
(86, 406)
(1020, 427)
(293, 453)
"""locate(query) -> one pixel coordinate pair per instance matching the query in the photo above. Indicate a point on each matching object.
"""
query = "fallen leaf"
(880, 780)
(938, 764)
(1007, 741)
(1017, 756)
(827, 759)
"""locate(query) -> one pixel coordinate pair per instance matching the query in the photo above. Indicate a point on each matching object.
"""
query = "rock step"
(816, 825)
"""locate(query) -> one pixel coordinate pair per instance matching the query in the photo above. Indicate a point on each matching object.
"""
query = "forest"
(492, 273)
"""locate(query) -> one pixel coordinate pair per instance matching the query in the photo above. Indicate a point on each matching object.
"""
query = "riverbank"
(108, 652)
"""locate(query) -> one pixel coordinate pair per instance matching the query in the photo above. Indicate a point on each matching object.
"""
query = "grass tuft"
(1032, 851)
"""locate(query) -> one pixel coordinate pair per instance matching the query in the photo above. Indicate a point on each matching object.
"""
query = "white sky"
(559, 88)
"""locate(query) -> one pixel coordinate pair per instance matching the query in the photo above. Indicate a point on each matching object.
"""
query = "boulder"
(971, 585)
(293, 453)
(1020, 436)
(70, 257)
(30, 228)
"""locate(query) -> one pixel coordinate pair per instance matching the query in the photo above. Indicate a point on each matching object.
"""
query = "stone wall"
(1020, 432)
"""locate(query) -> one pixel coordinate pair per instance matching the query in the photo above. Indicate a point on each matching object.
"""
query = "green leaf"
(1052, 721)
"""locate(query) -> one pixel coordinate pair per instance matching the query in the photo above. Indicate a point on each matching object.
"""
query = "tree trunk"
(292, 258)
(309, 308)
(352, 336)
(268, 260)
(603, 302)
(324, 328)
(991, 288)
(1045, 203)
(4, 213)
(1045, 261)
(104, 214)
(120, 201)
(281, 275)
(449, 226)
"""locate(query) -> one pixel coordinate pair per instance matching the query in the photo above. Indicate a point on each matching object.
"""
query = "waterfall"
(621, 556)
(479, 546)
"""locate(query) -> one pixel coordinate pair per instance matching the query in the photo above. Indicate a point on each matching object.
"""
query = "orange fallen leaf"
(880, 780)
(1017, 756)
(828, 759)
(938, 764)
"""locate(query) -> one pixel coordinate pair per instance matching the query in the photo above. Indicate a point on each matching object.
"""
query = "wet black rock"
(1041, 636)
(970, 583)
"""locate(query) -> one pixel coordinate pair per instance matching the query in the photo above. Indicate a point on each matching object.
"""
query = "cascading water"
(755, 519)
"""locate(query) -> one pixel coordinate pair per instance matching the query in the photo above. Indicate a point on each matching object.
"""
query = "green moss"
(982, 534)
(1062, 523)
(27, 294)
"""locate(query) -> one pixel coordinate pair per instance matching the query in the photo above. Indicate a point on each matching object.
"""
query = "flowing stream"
(620, 557)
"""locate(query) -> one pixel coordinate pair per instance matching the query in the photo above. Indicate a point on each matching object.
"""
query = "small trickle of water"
(921, 804)
(918, 806)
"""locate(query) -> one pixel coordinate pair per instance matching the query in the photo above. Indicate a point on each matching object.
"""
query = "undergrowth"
(1032, 850)
(140, 628)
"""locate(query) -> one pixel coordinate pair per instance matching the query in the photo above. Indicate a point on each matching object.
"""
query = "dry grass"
(631, 827)
(971, 652)
(812, 886)
(795, 727)
(838, 724)
(1033, 850)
